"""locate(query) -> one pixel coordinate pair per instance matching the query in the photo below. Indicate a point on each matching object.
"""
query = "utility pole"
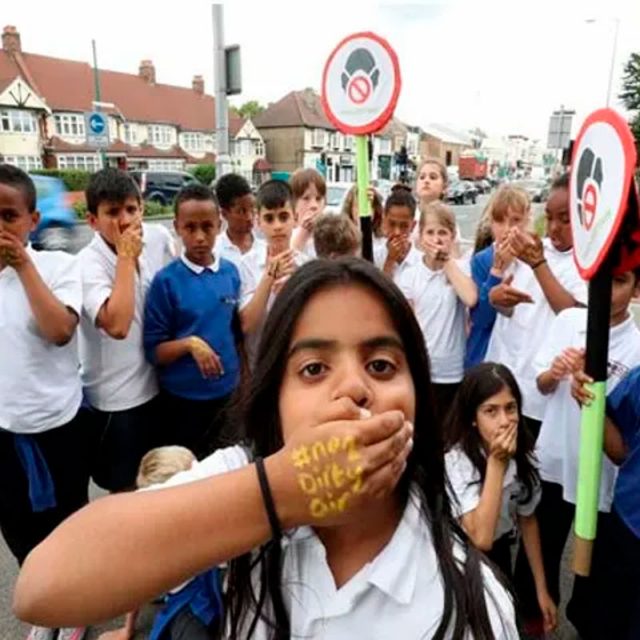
(98, 98)
(220, 84)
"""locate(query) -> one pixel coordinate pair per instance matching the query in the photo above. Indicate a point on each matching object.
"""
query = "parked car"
(56, 229)
(484, 186)
(161, 186)
(471, 191)
(456, 192)
(538, 190)
(336, 195)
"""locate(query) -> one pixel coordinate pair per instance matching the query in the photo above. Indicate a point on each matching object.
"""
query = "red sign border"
(386, 115)
(613, 118)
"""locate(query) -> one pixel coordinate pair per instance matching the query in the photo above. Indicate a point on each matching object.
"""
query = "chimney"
(198, 84)
(147, 71)
(11, 40)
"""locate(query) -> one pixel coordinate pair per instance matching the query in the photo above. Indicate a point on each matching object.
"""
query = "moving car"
(56, 230)
(161, 186)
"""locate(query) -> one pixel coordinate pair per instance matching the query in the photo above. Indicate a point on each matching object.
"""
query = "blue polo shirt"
(184, 300)
(623, 407)
(483, 315)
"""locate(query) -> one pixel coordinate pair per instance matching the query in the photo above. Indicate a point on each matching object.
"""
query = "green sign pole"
(362, 169)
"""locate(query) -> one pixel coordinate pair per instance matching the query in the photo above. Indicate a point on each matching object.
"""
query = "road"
(467, 217)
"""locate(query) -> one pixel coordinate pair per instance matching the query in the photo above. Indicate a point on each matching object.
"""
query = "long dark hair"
(479, 384)
(464, 602)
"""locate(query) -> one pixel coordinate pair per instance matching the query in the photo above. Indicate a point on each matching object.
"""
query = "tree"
(631, 94)
(249, 109)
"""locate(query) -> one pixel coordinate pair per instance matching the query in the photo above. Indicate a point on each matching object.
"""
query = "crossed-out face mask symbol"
(360, 76)
(588, 185)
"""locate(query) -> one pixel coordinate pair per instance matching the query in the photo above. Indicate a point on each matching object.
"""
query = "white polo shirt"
(466, 488)
(226, 249)
(441, 316)
(380, 255)
(115, 373)
(558, 444)
(160, 243)
(40, 385)
(399, 594)
(252, 266)
(516, 339)
(309, 248)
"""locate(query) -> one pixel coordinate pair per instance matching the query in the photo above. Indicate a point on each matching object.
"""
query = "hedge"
(151, 209)
(74, 179)
(206, 173)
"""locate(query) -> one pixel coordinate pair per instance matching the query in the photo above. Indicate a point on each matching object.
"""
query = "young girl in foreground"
(337, 524)
(495, 485)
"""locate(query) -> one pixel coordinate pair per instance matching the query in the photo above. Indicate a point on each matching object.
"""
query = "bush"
(151, 209)
(206, 173)
(540, 225)
(74, 179)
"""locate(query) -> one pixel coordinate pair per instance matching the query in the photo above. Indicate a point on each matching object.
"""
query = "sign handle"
(362, 173)
(592, 421)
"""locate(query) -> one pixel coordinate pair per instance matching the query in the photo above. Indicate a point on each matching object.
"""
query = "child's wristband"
(538, 264)
(267, 499)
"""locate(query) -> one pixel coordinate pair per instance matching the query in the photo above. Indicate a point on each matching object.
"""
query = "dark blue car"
(56, 229)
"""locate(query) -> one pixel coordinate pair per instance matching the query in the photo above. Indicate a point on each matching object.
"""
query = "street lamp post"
(614, 51)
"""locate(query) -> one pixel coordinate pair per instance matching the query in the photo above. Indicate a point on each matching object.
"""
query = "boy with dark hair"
(263, 272)
(335, 236)
(398, 223)
(191, 326)
(44, 444)
(237, 206)
(116, 270)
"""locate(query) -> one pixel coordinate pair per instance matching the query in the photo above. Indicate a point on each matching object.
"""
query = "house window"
(159, 134)
(15, 121)
(348, 143)
(76, 161)
(166, 165)
(130, 133)
(339, 141)
(319, 138)
(193, 141)
(333, 141)
(259, 148)
(69, 124)
(26, 163)
(384, 146)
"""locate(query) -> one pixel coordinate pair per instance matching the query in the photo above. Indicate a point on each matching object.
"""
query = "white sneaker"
(71, 634)
(41, 633)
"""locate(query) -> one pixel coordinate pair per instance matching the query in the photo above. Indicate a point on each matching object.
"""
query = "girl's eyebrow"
(328, 345)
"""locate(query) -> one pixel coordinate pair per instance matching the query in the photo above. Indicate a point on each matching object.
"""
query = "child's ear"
(92, 219)
(35, 219)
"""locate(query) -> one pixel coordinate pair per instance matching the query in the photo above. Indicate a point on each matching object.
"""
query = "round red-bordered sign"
(604, 157)
(361, 84)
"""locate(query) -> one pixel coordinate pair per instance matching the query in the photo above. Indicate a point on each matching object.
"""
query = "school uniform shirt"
(412, 258)
(515, 339)
(252, 266)
(399, 594)
(309, 248)
(466, 488)
(161, 244)
(40, 385)
(623, 407)
(115, 373)
(229, 251)
(186, 299)
(441, 316)
(558, 444)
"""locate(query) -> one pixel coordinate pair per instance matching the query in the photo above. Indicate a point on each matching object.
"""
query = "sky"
(500, 65)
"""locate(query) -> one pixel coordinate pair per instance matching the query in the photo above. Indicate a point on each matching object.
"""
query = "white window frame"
(81, 161)
(18, 121)
(26, 163)
(193, 141)
(348, 142)
(259, 148)
(159, 135)
(70, 125)
(166, 164)
(319, 138)
(130, 133)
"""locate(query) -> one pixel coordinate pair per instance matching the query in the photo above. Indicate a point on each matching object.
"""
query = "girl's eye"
(490, 411)
(381, 367)
(312, 370)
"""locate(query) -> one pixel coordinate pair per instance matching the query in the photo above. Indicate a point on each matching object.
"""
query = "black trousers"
(612, 609)
(444, 395)
(121, 438)
(555, 518)
(194, 424)
(187, 626)
(66, 452)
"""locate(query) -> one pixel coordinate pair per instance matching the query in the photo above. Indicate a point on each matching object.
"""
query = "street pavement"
(10, 629)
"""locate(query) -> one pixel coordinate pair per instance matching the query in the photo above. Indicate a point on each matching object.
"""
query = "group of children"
(127, 348)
